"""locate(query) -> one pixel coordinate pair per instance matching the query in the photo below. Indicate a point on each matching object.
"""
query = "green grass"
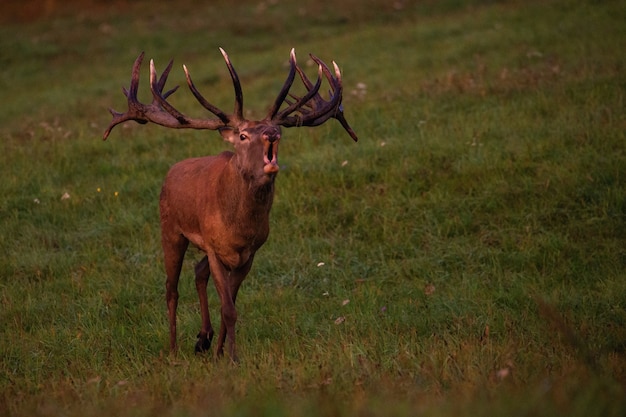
(473, 240)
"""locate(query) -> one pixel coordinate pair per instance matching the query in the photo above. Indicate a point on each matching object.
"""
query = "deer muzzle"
(270, 152)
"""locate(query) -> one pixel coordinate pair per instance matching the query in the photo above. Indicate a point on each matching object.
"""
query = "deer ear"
(229, 134)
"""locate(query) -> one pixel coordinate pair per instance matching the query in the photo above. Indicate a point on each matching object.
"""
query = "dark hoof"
(202, 345)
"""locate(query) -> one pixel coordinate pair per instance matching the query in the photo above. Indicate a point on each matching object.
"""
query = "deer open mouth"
(270, 157)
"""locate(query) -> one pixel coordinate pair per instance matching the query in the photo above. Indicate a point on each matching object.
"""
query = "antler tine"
(216, 111)
(335, 85)
(134, 81)
(286, 86)
(300, 102)
(156, 89)
(163, 79)
(131, 96)
(342, 119)
(237, 85)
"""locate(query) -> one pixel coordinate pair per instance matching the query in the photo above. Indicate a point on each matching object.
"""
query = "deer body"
(233, 224)
(229, 226)
(221, 204)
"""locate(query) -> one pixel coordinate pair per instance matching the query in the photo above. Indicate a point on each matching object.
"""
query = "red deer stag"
(221, 203)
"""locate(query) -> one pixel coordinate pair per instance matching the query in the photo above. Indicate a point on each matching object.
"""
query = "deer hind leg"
(173, 253)
(227, 285)
(206, 331)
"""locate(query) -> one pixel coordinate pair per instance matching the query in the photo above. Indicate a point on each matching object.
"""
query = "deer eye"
(242, 137)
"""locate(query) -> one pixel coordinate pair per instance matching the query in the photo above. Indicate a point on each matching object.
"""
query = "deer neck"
(248, 195)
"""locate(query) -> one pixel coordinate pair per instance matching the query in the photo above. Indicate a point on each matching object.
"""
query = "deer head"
(221, 203)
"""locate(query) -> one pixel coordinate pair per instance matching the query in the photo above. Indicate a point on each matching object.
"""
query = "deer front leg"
(227, 284)
(206, 331)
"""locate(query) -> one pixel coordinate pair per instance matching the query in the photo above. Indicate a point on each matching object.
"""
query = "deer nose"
(273, 138)
(271, 134)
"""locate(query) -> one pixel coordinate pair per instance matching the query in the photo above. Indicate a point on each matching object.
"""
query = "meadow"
(467, 257)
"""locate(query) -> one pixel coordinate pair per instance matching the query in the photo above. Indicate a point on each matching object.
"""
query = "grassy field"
(466, 257)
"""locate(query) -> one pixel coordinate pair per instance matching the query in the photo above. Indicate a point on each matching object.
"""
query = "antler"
(310, 109)
(161, 112)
